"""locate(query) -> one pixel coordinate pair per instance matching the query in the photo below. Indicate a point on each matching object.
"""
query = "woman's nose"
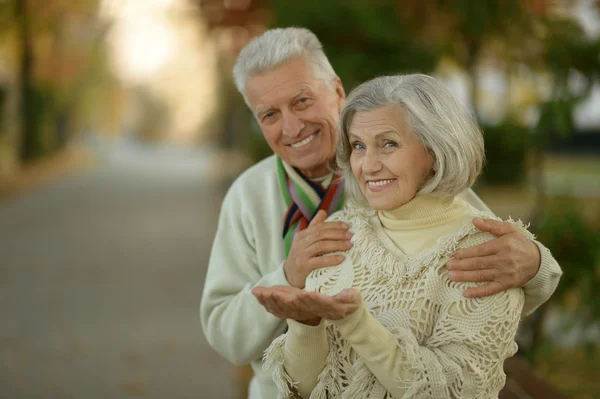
(371, 162)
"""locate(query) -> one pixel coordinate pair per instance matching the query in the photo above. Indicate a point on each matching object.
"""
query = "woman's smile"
(380, 184)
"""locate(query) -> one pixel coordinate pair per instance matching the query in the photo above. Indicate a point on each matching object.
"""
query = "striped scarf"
(305, 198)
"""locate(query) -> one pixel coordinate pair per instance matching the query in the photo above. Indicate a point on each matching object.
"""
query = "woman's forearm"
(305, 353)
(463, 356)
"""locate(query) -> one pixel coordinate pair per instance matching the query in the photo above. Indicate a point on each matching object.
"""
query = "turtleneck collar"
(423, 211)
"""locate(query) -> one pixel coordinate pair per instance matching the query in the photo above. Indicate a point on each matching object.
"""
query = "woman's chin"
(381, 205)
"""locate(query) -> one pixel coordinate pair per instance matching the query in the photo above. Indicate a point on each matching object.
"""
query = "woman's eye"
(357, 146)
(390, 144)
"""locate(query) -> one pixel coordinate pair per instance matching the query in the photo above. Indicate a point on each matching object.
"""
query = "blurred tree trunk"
(29, 137)
(473, 47)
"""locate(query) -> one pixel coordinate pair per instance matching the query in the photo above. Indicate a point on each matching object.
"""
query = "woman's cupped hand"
(307, 307)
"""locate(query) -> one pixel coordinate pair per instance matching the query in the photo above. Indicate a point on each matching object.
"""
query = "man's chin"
(311, 169)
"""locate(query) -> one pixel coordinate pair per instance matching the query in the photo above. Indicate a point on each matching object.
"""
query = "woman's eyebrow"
(386, 133)
(378, 136)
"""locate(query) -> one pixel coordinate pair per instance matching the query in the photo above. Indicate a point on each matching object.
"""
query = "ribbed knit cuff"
(548, 269)
(348, 324)
(543, 284)
(306, 342)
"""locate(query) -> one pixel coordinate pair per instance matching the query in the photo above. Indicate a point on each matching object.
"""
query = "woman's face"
(389, 162)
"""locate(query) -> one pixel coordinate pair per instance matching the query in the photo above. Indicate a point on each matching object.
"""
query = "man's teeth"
(380, 182)
(305, 141)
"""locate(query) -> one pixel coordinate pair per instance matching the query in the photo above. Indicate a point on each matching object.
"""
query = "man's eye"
(301, 102)
(268, 115)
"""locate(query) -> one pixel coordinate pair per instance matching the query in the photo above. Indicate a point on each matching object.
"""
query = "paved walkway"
(100, 280)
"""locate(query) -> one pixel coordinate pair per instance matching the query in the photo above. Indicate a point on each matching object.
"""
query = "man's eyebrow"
(299, 93)
(296, 95)
(263, 110)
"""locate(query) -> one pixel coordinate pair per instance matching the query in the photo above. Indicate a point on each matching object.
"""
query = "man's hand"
(509, 261)
(310, 244)
(307, 307)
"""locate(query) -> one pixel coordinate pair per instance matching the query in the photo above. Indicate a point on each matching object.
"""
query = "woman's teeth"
(380, 183)
(305, 141)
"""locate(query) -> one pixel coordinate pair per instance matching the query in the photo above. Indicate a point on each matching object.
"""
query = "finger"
(348, 296)
(261, 300)
(269, 299)
(318, 262)
(313, 302)
(258, 290)
(474, 276)
(481, 262)
(328, 307)
(277, 289)
(326, 247)
(331, 308)
(487, 248)
(268, 305)
(496, 227)
(318, 218)
(284, 307)
(491, 288)
(289, 305)
(327, 233)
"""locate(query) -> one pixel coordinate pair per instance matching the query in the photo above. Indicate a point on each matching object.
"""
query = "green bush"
(575, 243)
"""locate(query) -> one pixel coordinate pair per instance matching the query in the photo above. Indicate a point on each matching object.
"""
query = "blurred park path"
(101, 275)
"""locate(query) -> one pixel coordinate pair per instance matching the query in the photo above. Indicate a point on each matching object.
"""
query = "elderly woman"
(388, 321)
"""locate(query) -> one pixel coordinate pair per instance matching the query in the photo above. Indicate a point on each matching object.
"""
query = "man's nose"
(292, 125)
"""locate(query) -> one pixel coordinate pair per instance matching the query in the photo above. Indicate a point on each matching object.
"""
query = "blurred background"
(121, 129)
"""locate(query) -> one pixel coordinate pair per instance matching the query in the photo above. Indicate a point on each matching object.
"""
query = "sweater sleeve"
(298, 356)
(473, 199)
(234, 322)
(463, 356)
(539, 289)
(305, 352)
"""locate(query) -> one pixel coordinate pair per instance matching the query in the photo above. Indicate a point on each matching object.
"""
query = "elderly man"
(268, 233)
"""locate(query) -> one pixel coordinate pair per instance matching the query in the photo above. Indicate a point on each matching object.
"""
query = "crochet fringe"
(274, 358)
(385, 264)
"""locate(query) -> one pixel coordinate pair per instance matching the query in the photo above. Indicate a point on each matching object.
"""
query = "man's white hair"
(277, 46)
(444, 126)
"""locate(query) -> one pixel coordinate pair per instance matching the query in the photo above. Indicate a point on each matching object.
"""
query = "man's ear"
(339, 90)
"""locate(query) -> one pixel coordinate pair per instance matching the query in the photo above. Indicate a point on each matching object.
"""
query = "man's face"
(298, 114)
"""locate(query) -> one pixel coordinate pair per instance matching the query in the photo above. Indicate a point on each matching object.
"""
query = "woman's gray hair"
(277, 46)
(445, 127)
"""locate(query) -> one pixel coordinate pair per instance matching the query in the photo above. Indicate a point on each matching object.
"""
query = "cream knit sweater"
(415, 334)
(248, 251)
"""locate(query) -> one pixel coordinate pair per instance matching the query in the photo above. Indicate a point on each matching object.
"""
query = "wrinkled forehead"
(281, 84)
(384, 119)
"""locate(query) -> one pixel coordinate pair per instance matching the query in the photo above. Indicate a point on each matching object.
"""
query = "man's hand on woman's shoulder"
(508, 261)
